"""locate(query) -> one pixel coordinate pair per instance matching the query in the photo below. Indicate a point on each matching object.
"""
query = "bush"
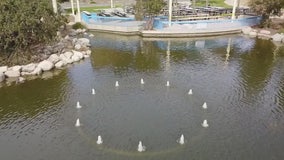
(78, 25)
(27, 23)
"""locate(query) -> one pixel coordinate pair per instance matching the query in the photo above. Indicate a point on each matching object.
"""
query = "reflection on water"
(241, 80)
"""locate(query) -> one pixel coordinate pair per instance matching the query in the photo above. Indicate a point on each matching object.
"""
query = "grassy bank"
(219, 3)
(91, 9)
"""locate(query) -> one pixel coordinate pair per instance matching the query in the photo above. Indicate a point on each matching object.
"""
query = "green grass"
(90, 9)
(218, 3)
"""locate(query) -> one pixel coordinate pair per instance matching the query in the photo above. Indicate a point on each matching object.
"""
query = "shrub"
(27, 23)
(78, 25)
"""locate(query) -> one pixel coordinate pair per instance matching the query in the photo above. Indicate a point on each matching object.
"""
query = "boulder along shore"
(69, 49)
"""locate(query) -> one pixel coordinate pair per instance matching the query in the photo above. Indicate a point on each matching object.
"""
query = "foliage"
(218, 3)
(153, 7)
(148, 7)
(91, 9)
(267, 7)
(78, 25)
(26, 23)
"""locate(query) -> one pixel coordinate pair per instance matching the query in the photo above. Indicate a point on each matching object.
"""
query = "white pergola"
(54, 5)
(170, 4)
(234, 9)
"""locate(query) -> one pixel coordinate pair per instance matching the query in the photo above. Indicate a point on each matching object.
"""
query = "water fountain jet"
(141, 148)
(205, 124)
(116, 84)
(190, 92)
(181, 140)
(100, 140)
(204, 106)
(142, 81)
(77, 124)
(78, 105)
(168, 84)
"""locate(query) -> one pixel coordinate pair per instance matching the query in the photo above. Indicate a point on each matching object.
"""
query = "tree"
(265, 8)
(149, 8)
(27, 23)
(153, 7)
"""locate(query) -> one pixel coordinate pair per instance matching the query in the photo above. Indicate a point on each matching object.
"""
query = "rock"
(10, 81)
(79, 30)
(47, 75)
(71, 24)
(75, 58)
(11, 74)
(91, 35)
(253, 34)
(74, 41)
(68, 55)
(53, 58)
(66, 60)
(62, 56)
(2, 77)
(88, 52)
(21, 80)
(277, 37)
(37, 71)
(26, 73)
(264, 32)
(67, 37)
(29, 67)
(48, 50)
(59, 64)
(57, 48)
(3, 69)
(246, 30)
(45, 65)
(72, 33)
(83, 42)
(16, 68)
(78, 47)
(79, 54)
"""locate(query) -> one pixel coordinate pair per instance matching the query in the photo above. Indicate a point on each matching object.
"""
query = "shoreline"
(76, 49)
(72, 49)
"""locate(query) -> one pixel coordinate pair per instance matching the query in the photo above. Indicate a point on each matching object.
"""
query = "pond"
(241, 79)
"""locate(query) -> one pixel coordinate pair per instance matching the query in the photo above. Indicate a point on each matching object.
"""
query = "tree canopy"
(26, 23)
(148, 7)
(267, 7)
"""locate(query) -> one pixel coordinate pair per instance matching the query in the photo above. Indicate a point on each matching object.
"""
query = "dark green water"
(241, 79)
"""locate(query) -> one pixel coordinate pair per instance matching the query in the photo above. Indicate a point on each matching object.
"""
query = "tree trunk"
(150, 23)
